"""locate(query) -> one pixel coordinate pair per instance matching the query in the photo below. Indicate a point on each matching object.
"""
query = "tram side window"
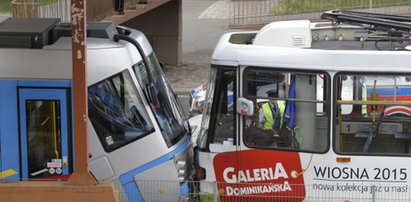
(222, 127)
(373, 114)
(116, 111)
(290, 110)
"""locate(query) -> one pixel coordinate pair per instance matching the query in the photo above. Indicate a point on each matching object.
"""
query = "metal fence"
(96, 9)
(256, 12)
(321, 192)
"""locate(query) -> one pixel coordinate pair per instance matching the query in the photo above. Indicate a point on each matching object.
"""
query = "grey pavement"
(201, 32)
(4, 16)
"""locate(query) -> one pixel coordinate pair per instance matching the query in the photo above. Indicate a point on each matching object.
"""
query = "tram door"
(44, 132)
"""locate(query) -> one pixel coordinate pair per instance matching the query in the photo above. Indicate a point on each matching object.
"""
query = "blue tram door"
(44, 133)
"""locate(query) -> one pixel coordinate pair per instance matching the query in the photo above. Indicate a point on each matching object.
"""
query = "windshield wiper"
(150, 88)
(370, 135)
(181, 109)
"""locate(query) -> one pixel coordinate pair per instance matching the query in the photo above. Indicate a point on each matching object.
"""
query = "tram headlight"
(181, 172)
(184, 163)
(181, 162)
(181, 169)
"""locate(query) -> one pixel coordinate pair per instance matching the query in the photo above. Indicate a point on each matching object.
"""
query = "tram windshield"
(167, 109)
(117, 112)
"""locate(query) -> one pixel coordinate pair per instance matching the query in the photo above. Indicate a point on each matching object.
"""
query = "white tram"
(340, 106)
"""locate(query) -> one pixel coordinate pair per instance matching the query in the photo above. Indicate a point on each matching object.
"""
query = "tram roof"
(318, 46)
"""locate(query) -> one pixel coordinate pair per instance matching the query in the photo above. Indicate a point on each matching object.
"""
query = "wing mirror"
(245, 107)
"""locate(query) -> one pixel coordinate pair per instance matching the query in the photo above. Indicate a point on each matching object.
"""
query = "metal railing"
(96, 9)
(256, 12)
(264, 192)
(321, 191)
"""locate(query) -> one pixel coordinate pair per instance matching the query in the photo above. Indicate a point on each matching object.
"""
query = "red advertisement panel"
(259, 174)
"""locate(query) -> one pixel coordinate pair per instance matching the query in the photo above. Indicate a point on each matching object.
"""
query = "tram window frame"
(352, 131)
(220, 95)
(101, 130)
(321, 140)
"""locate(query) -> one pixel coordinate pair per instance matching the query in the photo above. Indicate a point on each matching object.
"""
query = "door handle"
(39, 172)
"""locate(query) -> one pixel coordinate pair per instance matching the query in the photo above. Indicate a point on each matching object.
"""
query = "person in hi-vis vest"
(270, 114)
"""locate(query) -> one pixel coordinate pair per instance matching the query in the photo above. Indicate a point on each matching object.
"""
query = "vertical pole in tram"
(81, 174)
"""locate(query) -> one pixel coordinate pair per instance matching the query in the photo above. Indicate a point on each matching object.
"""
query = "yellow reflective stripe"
(7, 173)
(269, 120)
(281, 105)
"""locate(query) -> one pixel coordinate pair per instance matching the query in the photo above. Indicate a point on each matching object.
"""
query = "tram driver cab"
(136, 128)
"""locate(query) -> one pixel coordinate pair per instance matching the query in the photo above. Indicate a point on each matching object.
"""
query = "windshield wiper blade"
(151, 94)
(373, 133)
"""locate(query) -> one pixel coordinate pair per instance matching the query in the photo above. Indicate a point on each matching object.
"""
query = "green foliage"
(5, 6)
(207, 198)
(305, 6)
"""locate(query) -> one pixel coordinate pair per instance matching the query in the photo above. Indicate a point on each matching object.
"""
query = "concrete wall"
(163, 28)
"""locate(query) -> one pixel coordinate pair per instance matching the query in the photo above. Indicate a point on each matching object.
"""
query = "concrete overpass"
(160, 20)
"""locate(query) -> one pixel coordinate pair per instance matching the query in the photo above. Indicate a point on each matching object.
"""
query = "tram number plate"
(385, 128)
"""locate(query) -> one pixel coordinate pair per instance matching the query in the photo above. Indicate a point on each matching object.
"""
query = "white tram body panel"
(340, 109)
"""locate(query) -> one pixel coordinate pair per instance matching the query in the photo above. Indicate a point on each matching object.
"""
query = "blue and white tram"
(137, 130)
